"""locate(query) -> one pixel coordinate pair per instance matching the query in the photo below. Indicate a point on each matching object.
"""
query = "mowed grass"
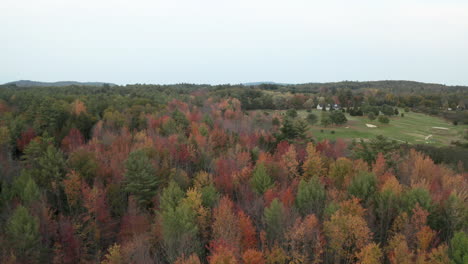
(413, 128)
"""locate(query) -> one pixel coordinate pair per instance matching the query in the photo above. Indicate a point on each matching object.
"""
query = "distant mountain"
(27, 83)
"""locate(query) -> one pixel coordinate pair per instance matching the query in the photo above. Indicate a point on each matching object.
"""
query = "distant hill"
(27, 83)
(395, 86)
(259, 83)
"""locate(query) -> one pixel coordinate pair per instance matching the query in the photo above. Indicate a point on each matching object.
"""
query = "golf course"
(413, 128)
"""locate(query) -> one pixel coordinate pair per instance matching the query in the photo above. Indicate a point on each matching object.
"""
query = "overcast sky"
(234, 41)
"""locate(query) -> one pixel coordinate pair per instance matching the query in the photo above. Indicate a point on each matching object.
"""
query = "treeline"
(144, 174)
(448, 102)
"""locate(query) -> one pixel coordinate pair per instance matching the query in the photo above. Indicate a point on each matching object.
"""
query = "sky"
(234, 41)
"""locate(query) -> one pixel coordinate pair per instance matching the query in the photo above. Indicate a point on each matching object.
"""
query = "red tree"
(25, 138)
(248, 234)
(73, 140)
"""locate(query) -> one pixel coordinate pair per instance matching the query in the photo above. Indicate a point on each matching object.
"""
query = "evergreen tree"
(459, 248)
(274, 220)
(47, 167)
(45, 163)
(310, 197)
(261, 181)
(209, 195)
(25, 188)
(415, 196)
(140, 177)
(363, 186)
(180, 231)
(293, 129)
(171, 195)
(52, 167)
(288, 130)
(23, 233)
(180, 120)
(301, 128)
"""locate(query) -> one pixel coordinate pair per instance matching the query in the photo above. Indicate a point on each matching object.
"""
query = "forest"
(192, 174)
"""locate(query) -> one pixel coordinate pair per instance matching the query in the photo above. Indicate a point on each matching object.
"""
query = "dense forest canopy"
(203, 174)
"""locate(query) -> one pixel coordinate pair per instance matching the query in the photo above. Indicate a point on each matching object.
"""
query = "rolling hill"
(28, 83)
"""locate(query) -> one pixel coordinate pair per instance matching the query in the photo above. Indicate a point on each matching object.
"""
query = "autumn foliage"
(192, 177)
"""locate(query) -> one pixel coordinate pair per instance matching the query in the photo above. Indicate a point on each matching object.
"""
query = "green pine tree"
(274, 220)
(261, 181)
(140, 178)
(46, 165)
(363, 186)
(180, 229)
(301, 128)
(23, 233)
(310, 197)
(25, 188)
(459, 248)
(288, 131)
(170, 197)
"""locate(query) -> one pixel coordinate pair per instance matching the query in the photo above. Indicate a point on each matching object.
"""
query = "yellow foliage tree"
(114, 256)
(398, 251)
(347, 231)
(340, 172)
(370, 254)
(289, 160)
(313, 165)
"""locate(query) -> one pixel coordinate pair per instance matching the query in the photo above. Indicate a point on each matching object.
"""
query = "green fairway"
(414, 128)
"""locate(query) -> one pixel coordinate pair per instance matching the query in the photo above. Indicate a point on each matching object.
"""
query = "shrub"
(384, 119)
(291, 113)
(387, 110)
(312, 118)
(337, 117)
(355, 112)
(434, 111)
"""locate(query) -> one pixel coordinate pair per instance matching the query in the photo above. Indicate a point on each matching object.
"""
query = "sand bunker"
(428, 137)
(371, 126)
(444, 128)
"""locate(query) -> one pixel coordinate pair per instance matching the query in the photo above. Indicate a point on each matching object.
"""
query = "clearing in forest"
(414, 128)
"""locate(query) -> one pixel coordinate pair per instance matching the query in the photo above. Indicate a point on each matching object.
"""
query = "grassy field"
(414, 128)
